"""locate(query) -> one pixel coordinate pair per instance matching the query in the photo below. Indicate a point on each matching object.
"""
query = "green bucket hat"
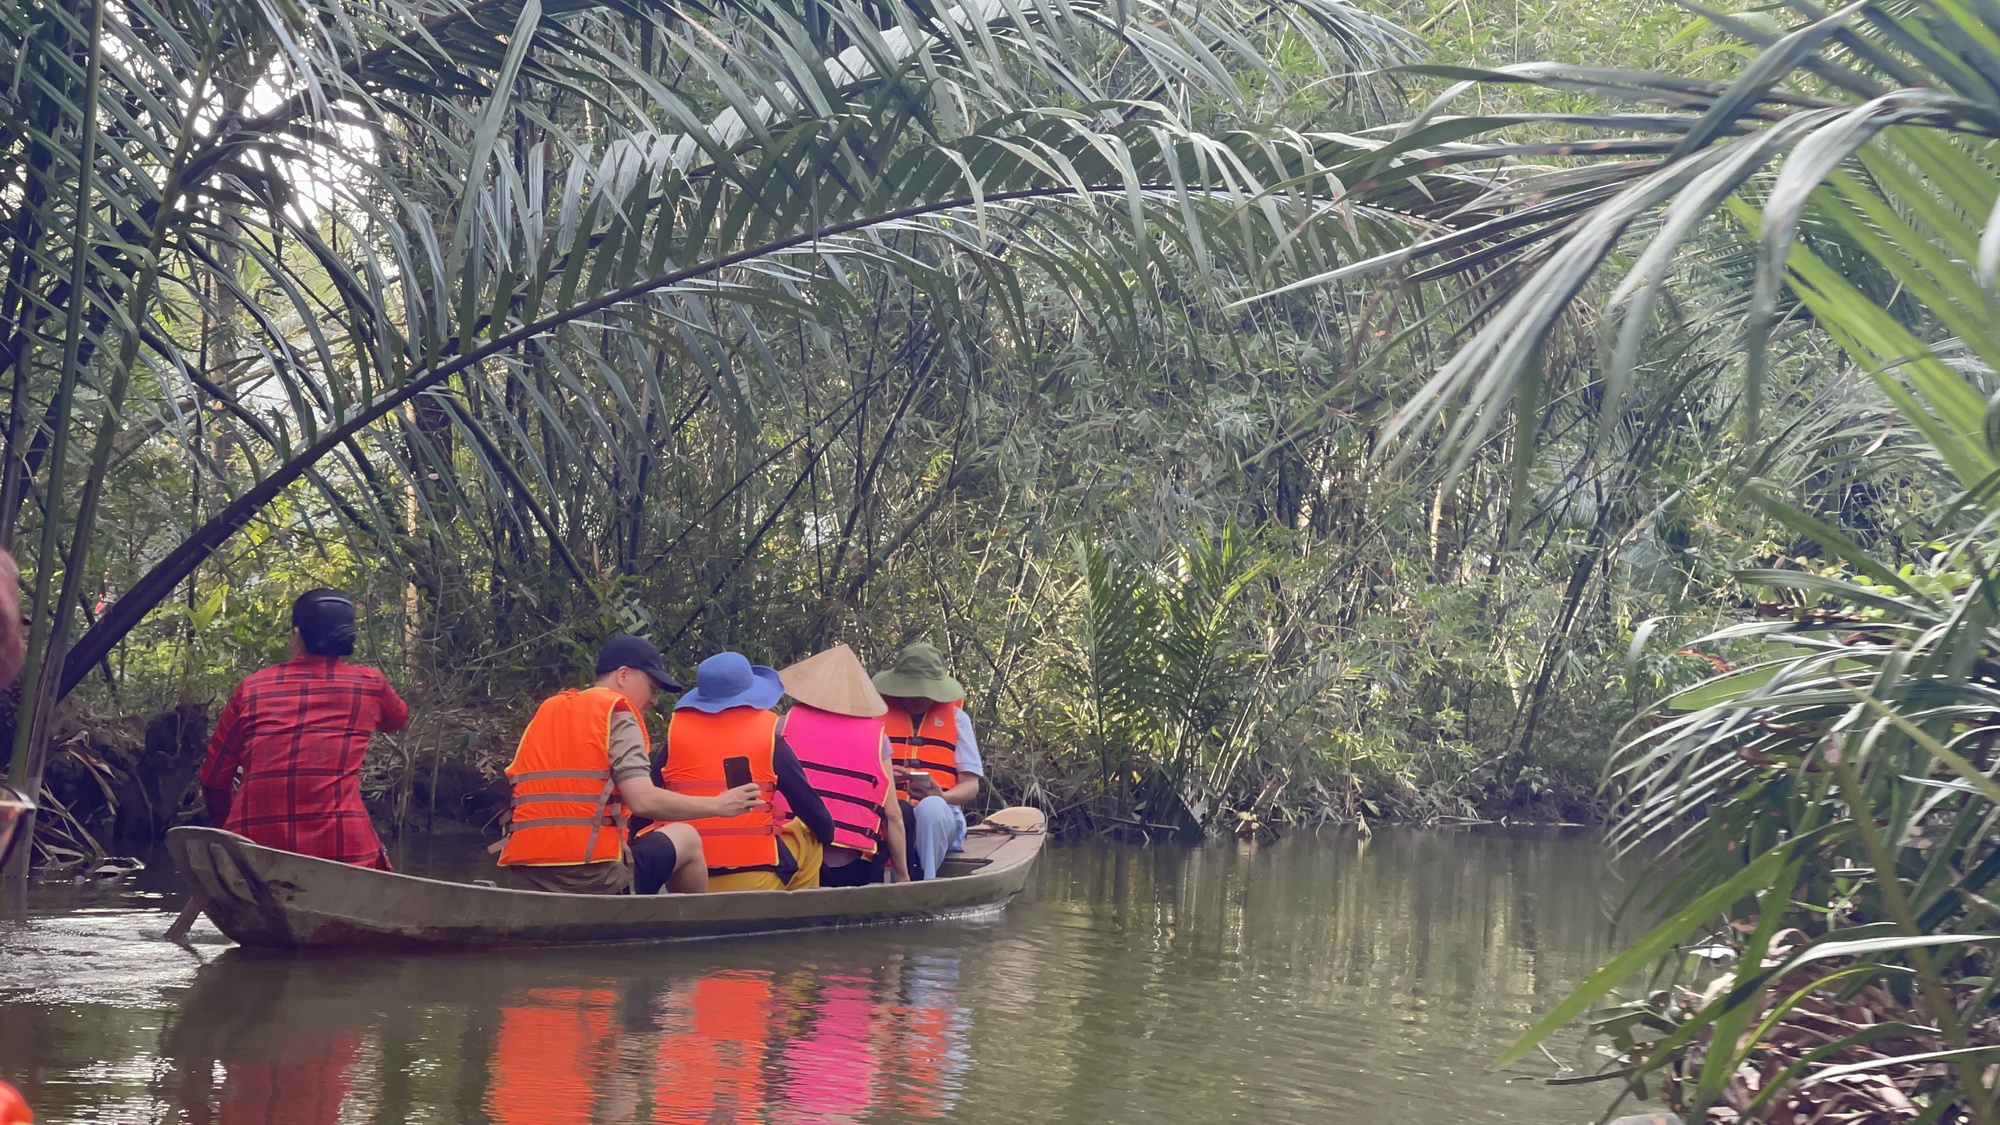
(919, 674)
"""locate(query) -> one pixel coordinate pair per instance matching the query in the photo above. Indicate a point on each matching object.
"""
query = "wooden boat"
(275, 899)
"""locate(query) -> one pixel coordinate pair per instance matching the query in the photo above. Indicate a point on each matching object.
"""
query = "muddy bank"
(114, 782)
(119, 782)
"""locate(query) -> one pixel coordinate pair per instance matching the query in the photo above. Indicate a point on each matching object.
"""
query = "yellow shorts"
(804, 846)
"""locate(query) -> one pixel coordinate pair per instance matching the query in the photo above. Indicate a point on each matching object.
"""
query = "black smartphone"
(736, 771)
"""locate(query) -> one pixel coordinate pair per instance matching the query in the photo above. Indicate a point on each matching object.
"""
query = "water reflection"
(276, 1042)
(1307, 982)
(293, 1041)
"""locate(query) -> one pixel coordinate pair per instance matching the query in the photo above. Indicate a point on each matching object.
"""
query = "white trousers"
(940, 829)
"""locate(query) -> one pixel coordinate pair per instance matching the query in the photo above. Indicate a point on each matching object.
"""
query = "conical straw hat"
(834, 681)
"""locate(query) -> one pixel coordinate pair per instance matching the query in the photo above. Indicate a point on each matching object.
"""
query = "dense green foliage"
(503, 317)
(1276, 413)
(1828, 801)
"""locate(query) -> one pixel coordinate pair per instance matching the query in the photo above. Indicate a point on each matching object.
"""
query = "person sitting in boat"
(583, 762)
(296, 732)
(835, 728)
(935, 752)
(721, 727)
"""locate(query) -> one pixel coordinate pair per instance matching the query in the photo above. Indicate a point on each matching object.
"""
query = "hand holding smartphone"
(740, 793)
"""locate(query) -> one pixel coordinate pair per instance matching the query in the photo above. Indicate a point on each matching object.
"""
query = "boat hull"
(266, 898)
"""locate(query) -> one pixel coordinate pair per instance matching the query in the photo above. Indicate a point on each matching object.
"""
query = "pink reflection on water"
(833, 1068)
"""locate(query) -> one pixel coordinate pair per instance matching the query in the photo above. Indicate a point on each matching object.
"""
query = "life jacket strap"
(597, 821)
(850, 799)
(870, 831)
(711, 788)
(840, 771)
(618, 821)
(740, 830)
(922, 763)
(568, 822)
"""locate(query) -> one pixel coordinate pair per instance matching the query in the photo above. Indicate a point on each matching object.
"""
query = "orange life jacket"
(931, 745)
(564, 797)
(13, 1107)
(696, 744)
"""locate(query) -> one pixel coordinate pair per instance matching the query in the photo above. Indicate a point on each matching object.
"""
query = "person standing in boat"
(936, 754)
(835, 728)
(728, 716)
(296, 732)
(583, 762)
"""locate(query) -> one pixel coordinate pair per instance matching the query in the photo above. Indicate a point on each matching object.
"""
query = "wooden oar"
(179, 930)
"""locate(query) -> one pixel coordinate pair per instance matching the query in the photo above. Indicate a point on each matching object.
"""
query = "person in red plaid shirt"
(298, 731)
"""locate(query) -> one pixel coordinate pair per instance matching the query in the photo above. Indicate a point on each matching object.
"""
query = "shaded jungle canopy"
(764, 326)
(1280, 411)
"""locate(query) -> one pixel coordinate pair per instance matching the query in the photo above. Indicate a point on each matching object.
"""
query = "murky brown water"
(1313, 981)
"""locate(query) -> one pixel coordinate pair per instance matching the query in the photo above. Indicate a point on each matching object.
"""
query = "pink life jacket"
(842, 756)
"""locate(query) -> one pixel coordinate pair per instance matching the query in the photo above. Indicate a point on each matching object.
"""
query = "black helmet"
(325, 621)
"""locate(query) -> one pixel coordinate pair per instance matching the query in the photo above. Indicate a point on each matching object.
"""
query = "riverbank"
(120, 781)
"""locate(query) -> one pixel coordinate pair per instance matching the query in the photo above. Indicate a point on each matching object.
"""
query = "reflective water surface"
(1316, 980)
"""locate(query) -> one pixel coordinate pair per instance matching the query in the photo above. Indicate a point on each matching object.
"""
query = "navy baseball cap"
(638, 654)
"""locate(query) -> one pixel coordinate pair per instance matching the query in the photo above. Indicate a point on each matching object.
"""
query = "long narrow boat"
(274, 899)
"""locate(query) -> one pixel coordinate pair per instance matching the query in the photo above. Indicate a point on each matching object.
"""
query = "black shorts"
(860, 873)
(654, 858)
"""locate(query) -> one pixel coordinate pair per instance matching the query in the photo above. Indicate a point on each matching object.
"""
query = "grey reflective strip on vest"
(534, 798)
(568, 822)
(618, 821)
(596, 822)
(560, 775)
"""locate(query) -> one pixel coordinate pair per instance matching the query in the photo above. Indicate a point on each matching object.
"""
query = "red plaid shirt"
(298, 731)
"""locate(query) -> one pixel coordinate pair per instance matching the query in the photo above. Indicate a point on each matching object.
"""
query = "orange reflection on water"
(734, 1046)
(713, 1069)
(552, 1052)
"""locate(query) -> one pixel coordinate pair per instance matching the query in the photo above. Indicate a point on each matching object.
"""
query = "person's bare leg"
(690, 875)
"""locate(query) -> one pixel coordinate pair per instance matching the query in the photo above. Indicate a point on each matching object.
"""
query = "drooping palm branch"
(1859, 152)
(365, 243)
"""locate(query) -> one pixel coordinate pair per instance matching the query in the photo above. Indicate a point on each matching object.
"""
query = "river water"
(1322, 979)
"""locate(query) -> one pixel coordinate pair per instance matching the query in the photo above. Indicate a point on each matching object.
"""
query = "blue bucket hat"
(727, 679)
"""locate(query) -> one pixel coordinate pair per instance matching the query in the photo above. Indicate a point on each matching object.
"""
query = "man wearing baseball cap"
(584, 767)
